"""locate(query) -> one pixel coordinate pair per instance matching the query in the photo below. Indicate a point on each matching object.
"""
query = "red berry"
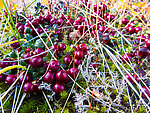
(53, 21)
(38, 88)
(62, 47)
(82, 47)
(67, 60)
(28, 87)
(58, 88)
(36, 61)
(41, 20)
(55, 48)
(48, 17)
(62, 76)
(73, 72)
(102, 29)
(131, 29)
(148, 43)
(18, 24)
(39, 30)
(54, 65)
(49, 77)
(21, 29)
(69, 22)
(137, 29)
(125, 21)
(77, 62)
(79, 54)
(110, 17)
(126, 57)
(147, 91)
(38, 51)
(25, 56)
(27, 79)
(28, 50)
(2, 77)
(10, 79)
(16, 44)
(76, 24)
(143, 52)
(60, 22)
(80, 19)
(35, 22)
(130, 79)
(4, 63)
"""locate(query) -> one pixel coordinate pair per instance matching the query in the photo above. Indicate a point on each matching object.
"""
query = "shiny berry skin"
(148, 43)
(80, 19)
(39, 30)
(73, 72)
(41, 20)
(28, 50)
(38, 51)
(55, 48)
(137, 29)
(146, 91)
(76, 24)
(10, 79)
(2, 77)
(143, 52)
(38, 88)
(77, 62)
(110, 17)
(141, 38)
(62, 76)
(130, 79)
(69, 22)
(102, 29)
(62, 16)
(62, 47)
(49, 77)
(126, 57)
(58, 88)
(35, 22)
(131, 30)
(26, 55)
(36, 61)
(105, 15)
(16, 44)
(18, 24)
(4, 64)
(28, 87)
(125, 21)
(48, 17)
(82, 47)
(53, 21)
(27, 79)
(79, 54)
(60, 22)
(21, 29)
(67, 60)
(54, 65)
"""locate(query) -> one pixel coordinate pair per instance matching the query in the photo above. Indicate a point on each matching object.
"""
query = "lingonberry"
(148, 43)
(62, 47)
(137, 29)
(131, 30)
(73, 72)
(67, 60)
(4, 63)
(36, 61)
(126, 57)
(147, 91)
(125, 21)
(25, 56)
(62, 76)
(49, 77)
(16, 44)
(58, 88)
(54, 65)
(27, 79)
(77, 62)
(28, 87)
(141, 38)
(10, 79)
(38, 51)
(79, 54)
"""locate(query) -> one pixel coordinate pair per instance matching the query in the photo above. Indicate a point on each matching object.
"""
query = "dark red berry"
(77, 62)
(58, 88)
(39, 30)
(82, 47)
(4, 63)
(125, 21)
(36, 61)
(73, 72)
(38, 51)
(80, 19)
(62, 76)
(102, 29)
(67, 60)
(69, 22)
(38, 88)
(147, 91)
(55, 48)
(148, 43)
(35, 22)
(48, 17)
(28, 87)
(25, 56)
(16, 44)
(137, 29)
(21, 29)
(49, 77)
(18, 24)
(126, 57)
(2, 77)
(60, 22)
(110, 17)
(131, 29)
(143, 52)
(79, 54)
(54, 65)
(62, 47)
(41, 20)
(10, 79)
(27, 79)
(53, 21)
